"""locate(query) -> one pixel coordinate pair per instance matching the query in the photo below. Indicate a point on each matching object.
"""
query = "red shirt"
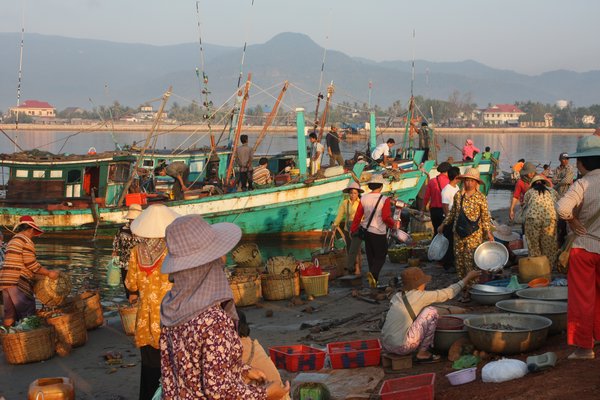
(433, 192)
(386, 216)
(520, 188)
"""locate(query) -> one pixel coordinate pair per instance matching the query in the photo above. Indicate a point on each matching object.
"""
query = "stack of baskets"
(28, 346)
(246, 289)
(280, 264)
(282, 280)
(92, 309)
(247, 258)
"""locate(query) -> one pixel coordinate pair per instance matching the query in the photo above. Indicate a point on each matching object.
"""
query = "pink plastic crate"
(355, 354)
(416, 387)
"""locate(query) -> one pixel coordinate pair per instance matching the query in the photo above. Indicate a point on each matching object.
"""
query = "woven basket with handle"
(128, 316)
(92, 309)
(247, 255)
(279, 264)
(246, 289)
(280, 286)
(69, 328)
(52, 292)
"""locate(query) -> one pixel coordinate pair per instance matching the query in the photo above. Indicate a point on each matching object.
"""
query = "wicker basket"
(92, 309)
(278, 265)
(29, 346)
(280, 286)
(316, 285)
(128, 317)
(337, 258)
(246, 289)
(69, 328)
(52, 292)
(247, 255)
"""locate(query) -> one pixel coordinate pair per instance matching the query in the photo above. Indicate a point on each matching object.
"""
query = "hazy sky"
(528, 36)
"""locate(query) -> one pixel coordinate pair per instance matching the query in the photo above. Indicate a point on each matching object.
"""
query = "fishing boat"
(86, 193)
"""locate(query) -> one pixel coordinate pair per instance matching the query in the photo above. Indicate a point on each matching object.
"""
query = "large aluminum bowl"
(444, 338)
(531, 335)
(490, 298)
(555, 311)
(491, 256)
(551, 293)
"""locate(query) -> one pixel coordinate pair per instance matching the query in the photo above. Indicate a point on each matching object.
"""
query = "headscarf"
(194, 291)
(149, 253)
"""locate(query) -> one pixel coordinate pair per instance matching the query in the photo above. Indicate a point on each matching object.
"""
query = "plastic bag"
(158, 393)
(113, 272)
(466, 361)
(503, 370)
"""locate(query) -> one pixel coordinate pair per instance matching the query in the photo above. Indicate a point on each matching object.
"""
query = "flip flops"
(433, 358)
(372, 280)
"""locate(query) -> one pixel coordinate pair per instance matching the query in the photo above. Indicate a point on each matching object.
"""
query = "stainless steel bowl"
(531, 335)
(555, 311)
(489, 298)
(551, 293)
(491, 256)
(444, 338)
(492, 289)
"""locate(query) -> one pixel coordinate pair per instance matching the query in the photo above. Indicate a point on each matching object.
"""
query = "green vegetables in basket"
(29, 323)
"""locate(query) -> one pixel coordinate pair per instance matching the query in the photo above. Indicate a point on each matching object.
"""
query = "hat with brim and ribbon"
(587, 146)
(193, 242)
(153, 221)
(28, 220)
(353, 185)
(134, 211)
(505, 234)
(471, 173)
(413, 277)
(377, 179)
(539, 178)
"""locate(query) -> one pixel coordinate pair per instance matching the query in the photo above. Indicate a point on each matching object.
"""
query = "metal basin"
(443, 338)
(491, 256)
(491, 288)
(555, 311)
(530, 335)
(489, 298)
(552, 293)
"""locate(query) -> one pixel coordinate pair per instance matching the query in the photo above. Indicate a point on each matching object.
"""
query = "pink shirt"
(469, 150)
(434, 189)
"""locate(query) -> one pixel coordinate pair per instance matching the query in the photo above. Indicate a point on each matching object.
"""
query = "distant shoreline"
(273, 129)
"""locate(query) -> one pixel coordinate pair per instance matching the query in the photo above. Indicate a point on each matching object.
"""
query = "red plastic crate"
(297, 358)
(416, 387)
(355, 354)
(135, 198)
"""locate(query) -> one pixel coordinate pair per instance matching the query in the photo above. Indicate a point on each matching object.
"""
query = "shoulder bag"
(563, 257)
(409, 308)
(464, 226)
(362, 232)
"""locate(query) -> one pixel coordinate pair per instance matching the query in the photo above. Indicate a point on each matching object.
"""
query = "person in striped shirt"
(17, 273)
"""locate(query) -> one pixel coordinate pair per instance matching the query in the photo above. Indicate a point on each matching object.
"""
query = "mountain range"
(68, 72)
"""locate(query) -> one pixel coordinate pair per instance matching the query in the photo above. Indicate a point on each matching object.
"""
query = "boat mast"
(20, 76)
(411, 103)
(330, 90)
(153, 129)
(204, 90)
(238, 130)
(271, 117)
(320, 95)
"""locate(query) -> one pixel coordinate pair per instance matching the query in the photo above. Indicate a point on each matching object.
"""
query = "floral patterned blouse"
(152, 288)
(474, 206)
(202, 359)
(540, 207)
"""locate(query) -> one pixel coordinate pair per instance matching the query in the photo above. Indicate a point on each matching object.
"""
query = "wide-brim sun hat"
(538, 178)
(153, 221)
(527, 169)
(377, 178)
(353, 185)
(193, 242)
(28, 220)
(134, 211)
(471, 173)
(413, 277)
(587, 146)
(505, 234)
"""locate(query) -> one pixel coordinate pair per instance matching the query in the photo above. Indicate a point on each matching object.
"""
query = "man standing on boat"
(316, 153)
(381, 154)
(424, 139)
(243, 156)
(563, 175)
(333, 147)
(179, 171)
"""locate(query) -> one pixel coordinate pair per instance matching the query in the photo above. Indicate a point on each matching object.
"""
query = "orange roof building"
(34, 108)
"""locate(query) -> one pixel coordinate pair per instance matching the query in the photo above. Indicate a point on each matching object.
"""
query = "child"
(487, 154)
(410, 324)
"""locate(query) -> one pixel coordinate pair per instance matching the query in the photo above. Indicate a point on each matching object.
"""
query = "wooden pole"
(270, 118)
(153, 129)
(238, 131)
(330, 91)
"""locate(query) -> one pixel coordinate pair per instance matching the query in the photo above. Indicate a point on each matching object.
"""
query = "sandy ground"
(340, 317)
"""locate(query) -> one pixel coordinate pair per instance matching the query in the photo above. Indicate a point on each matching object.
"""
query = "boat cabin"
(44, 180)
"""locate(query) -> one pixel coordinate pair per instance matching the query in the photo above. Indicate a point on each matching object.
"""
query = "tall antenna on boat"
(20, 76)
(243, 56)
(204, 80)
(320, 94)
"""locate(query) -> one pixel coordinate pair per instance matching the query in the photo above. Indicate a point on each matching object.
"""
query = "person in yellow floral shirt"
(470, 217)
(346, 213)
(144, 276)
